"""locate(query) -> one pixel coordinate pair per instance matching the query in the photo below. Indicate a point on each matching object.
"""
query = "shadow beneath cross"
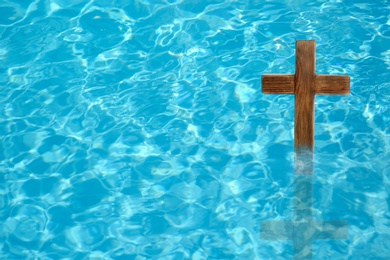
(303, 229)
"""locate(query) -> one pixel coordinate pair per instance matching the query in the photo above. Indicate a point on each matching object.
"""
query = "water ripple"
(138, 129)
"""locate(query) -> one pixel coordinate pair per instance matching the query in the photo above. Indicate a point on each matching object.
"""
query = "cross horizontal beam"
(284, 84)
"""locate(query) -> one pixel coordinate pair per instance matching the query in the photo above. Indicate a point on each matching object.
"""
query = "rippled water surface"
(138, 130)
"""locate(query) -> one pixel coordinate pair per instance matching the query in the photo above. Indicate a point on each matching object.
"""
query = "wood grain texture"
(332, 85)
(304, 94)
(277, 84)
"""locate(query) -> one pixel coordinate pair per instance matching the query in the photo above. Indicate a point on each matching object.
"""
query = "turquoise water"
(138, 130)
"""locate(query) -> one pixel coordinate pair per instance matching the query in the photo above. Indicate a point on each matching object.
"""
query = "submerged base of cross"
(303, 230)
(306, 230)
(303, 233)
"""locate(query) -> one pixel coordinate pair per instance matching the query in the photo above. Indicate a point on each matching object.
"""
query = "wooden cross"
(305, 84)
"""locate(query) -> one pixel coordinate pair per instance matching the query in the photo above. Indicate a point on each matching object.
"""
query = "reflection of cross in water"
(304, 84)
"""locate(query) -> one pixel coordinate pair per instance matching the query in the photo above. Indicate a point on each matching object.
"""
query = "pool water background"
(138, 130)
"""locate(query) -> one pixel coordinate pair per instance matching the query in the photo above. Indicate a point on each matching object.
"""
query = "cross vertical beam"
(304, 90)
